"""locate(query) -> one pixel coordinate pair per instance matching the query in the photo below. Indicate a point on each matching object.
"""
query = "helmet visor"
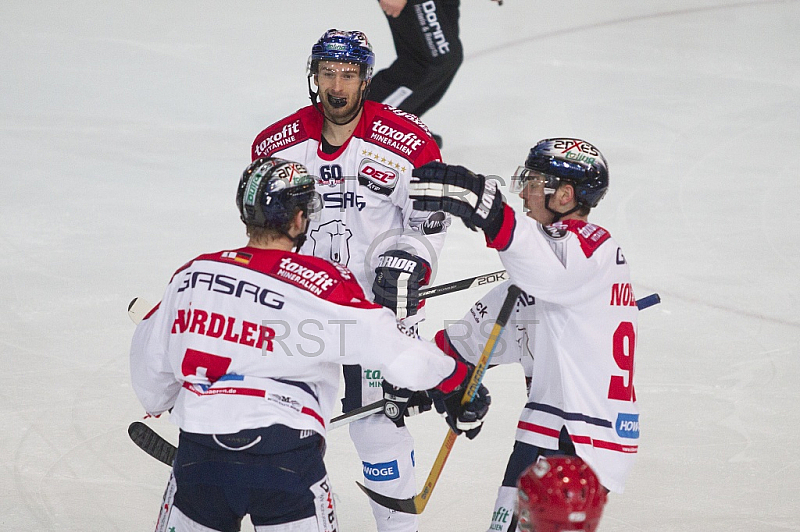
(314, 207)
(523, 176)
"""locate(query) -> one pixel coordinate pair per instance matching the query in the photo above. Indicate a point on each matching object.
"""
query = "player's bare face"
(340, 88)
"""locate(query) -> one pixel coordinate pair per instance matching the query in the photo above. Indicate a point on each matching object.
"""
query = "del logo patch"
(377, 177)
(381, 472)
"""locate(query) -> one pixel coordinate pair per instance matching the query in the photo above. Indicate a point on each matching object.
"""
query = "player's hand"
(393, 8)
(473, 198)
(401, 403)
(398, 278)
(467, 418)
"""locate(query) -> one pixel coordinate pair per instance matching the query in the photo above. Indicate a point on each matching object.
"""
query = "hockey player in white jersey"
(576, 322)
(244, 350)
(362, 154)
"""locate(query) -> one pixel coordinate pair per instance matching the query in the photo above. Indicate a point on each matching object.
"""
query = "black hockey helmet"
(271, 190)
(571, 160)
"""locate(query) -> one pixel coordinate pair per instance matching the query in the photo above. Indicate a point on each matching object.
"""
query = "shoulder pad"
(590, 236)
(326, 280)
(392, 129)
(280, 135)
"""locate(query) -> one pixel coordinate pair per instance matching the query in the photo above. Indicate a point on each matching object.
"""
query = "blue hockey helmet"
(571, 160)
(343, 47)
(271, 190)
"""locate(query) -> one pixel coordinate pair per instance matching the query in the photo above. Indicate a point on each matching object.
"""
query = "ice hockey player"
(577, 319)
(362, 153)
(244, 350)
(559, 494)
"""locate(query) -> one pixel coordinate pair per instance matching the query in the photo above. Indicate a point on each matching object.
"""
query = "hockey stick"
(138, 308)
(502, 275)
(358, 413)
(157, 447)
(377, 406)
(152, 443)
(416, 504)
(463, 284)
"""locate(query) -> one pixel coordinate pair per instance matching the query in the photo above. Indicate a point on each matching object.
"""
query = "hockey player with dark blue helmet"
(565, 160)
(362, 153)
(340, 47)
(575, 331)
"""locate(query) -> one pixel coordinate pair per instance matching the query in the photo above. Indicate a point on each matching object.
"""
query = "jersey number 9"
(623, 349)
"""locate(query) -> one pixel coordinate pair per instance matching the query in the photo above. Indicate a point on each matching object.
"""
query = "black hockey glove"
(401, 403)
(469, 417)
(473, 198)
(398, 278)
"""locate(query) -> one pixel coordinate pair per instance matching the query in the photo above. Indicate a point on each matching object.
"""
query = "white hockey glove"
(473, 198)
(398, 278)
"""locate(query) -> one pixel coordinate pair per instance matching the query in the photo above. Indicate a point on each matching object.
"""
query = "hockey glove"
(401, 403)
(398, 278)
(469, 417)
(473, 198)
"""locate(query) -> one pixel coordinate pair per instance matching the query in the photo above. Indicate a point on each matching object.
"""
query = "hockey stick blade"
(138, 308)
(406, 506)
(416, 504)
(150, 442)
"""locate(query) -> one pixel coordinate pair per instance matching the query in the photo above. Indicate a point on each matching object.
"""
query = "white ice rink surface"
(125, 126)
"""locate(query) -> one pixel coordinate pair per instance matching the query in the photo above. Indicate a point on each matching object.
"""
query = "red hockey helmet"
(559, 493)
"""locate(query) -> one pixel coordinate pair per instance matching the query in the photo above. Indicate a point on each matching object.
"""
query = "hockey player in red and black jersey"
(362, 154)
(244, 350)
(575, 326)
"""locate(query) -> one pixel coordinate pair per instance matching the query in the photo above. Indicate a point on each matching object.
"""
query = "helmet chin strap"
(300, 238)
(558, 215)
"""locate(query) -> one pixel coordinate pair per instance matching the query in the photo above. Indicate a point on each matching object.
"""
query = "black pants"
(525, 454)
(429, 54)
(270, 479)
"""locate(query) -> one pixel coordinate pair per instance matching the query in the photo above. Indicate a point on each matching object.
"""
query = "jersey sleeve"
(367, 333)
(369, 337)
(466, 338)
(152, 376)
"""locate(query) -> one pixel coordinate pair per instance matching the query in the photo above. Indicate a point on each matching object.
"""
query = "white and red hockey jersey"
(576, 324)
(364, 186)
(249, 338)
